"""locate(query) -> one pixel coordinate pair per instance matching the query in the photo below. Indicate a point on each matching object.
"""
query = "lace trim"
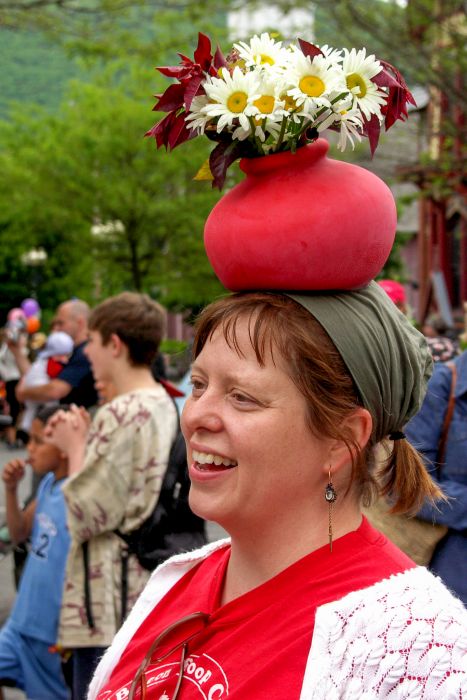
(404, 638)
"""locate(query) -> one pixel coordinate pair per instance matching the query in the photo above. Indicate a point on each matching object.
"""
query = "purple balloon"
(30, 307)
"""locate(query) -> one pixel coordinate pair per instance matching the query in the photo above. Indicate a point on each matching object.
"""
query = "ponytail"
(403, 479)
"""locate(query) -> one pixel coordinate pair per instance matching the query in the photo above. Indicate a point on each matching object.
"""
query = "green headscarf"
(388, 358)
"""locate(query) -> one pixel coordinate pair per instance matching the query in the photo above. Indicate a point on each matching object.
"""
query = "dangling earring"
(330, 495)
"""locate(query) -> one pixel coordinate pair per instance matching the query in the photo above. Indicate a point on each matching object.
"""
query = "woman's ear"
(358, 426)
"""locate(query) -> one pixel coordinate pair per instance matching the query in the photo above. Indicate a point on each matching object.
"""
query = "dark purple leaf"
(191, 89)
(385, 79)
(398, 96)
(219, 61)
(309, 49)
(398, 75)
(222, 156)
(172, 71)
(372, 129)
(178, 131)
(171, 99)
(203, 54)
(160, 131)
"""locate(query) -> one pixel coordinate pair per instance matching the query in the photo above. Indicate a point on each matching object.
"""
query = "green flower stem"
(306, 124)
(339, 97)
(309, 123)
(257, 141)
(281, 133)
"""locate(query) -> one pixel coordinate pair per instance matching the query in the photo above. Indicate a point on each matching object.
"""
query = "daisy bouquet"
(265, 97)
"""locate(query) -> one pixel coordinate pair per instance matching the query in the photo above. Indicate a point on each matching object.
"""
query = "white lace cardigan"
(404, 638)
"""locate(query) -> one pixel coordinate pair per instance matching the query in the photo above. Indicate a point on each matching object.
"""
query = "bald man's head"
(72, 318)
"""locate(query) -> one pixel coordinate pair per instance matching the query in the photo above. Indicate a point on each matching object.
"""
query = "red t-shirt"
(256, 646)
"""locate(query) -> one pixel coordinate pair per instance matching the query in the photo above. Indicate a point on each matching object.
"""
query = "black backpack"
(171, 528)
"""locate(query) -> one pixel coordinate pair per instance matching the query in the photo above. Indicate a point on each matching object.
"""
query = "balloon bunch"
(23, 319)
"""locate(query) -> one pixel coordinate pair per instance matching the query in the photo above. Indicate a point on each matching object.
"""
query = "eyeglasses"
(139, 681)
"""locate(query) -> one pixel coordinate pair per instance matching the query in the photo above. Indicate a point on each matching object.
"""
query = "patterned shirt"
(126, 459)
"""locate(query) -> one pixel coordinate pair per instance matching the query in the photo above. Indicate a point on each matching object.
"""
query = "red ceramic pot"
(301, 221)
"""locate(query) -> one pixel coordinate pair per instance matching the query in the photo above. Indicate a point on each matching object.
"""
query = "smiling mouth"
(207, 461)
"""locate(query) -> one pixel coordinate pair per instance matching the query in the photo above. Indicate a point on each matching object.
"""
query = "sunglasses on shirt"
(139, 681)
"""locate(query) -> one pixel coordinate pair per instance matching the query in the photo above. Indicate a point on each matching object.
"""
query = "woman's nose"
(201, 413)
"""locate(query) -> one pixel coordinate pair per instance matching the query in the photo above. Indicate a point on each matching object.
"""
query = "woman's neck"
(260, 555)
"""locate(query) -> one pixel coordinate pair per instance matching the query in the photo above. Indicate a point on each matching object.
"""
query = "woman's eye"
(242, 398)
(197, 387)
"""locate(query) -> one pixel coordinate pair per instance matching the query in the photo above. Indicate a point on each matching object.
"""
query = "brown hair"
(277, 323)
(137, 320)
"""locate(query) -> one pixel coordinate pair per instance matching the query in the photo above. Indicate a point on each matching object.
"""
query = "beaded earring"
(330, 496)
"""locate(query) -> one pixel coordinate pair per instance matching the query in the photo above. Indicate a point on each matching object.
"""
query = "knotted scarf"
(388, 358)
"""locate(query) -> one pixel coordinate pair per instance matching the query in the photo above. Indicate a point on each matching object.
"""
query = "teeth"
(208, 458)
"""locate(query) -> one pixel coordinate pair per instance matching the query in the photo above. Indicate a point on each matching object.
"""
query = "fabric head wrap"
(388, 358)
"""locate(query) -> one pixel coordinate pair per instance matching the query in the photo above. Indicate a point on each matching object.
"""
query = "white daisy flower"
(313, 81)
(269, 100)
(262, 51)
(349, 123)
(197, 119)
(331, 55)
(231, 97)
(263, 128)
(290, 108)
(358, 70)
(325, 120)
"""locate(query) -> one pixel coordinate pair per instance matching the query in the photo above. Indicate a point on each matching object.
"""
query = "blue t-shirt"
(37, 606)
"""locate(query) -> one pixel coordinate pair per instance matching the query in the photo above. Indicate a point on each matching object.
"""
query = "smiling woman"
(295, 393)
(281, 427)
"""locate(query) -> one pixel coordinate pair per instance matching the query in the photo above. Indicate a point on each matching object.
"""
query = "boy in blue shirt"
(26, 660)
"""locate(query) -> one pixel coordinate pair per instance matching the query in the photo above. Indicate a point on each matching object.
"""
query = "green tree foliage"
(34, 69)
(89, 164)
(425, 39)
(407, 34)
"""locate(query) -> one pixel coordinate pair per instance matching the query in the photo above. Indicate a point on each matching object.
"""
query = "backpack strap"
(448, 417)
(124, 584)
(87, 586)
(126, 537)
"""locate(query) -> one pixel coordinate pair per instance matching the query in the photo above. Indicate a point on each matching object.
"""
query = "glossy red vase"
(301, 221)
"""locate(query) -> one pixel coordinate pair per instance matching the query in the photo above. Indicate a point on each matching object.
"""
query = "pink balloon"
(16, 314)
(30, 307)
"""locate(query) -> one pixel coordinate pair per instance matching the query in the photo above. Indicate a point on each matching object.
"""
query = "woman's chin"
(205, 506)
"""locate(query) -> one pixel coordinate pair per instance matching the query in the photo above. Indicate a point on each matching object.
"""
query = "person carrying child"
(48, 364)
(26, 658)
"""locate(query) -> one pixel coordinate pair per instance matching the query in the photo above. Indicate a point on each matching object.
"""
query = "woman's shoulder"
(412, 627)
(414, 594)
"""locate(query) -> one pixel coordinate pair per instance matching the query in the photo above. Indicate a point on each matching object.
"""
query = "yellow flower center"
(265, 104)
(311, 85)
(354, 80)
(237, 102)
(263, 58)
(289, 103)
(239, 63)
